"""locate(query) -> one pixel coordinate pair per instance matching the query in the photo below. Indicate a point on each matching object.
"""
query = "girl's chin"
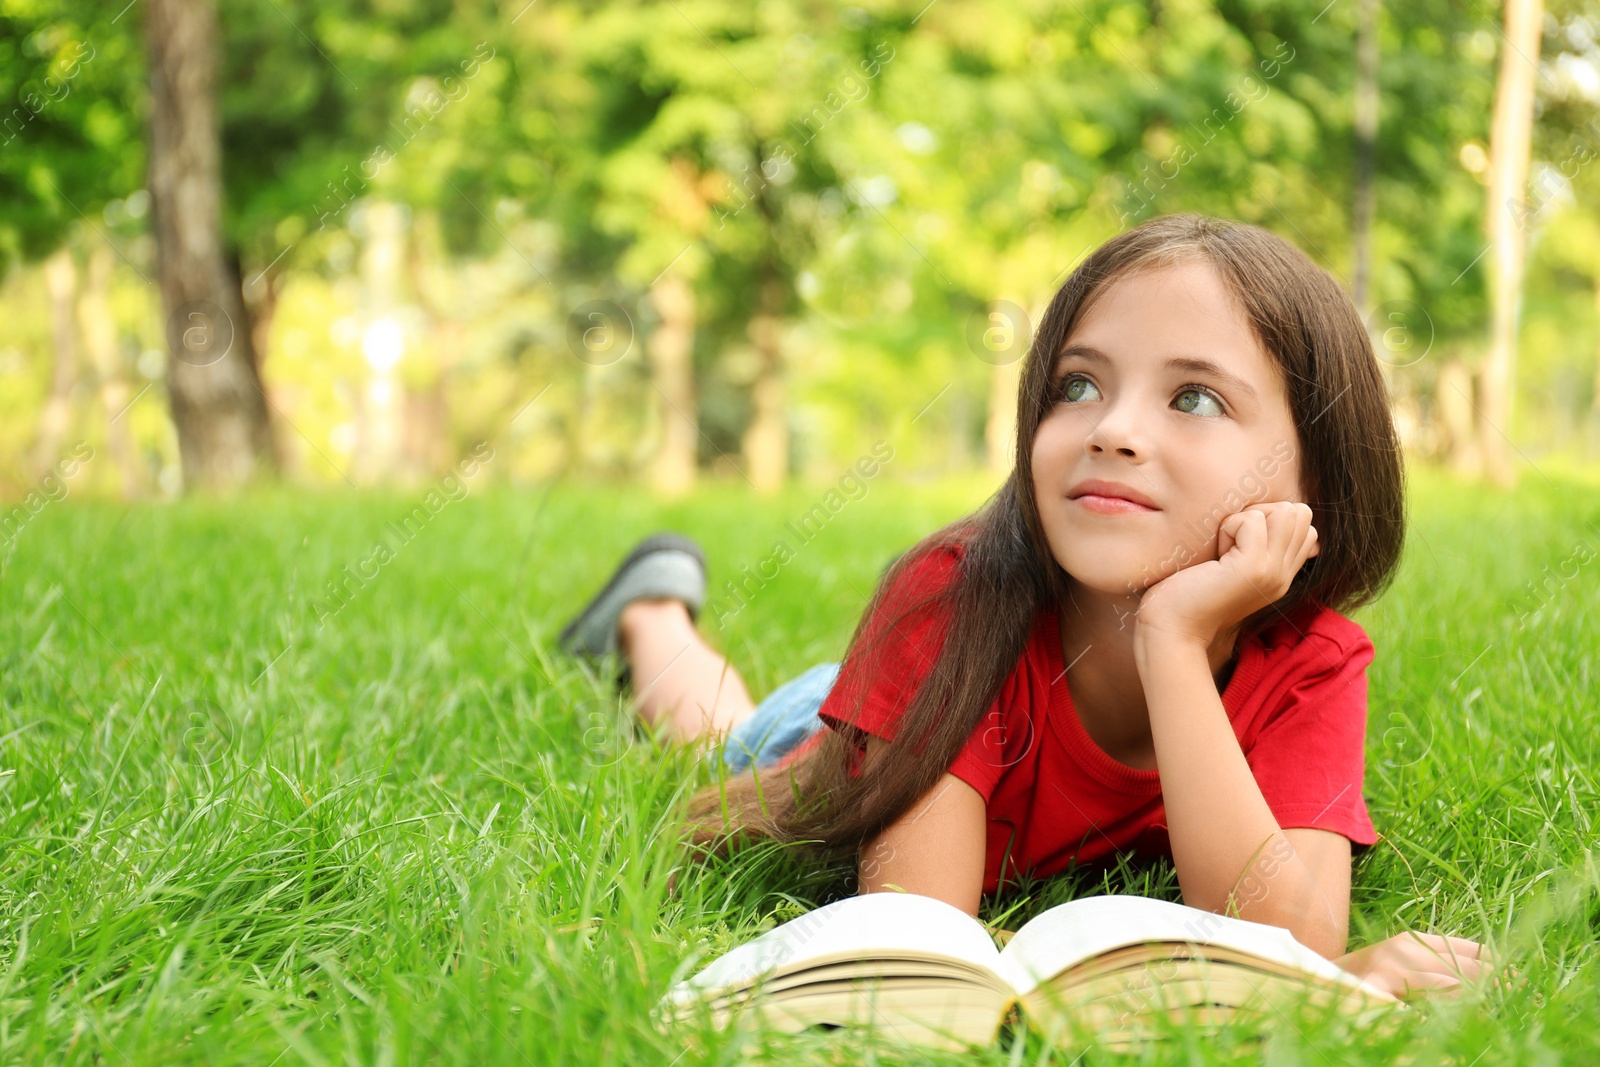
(1119, 579)
(1116, 583)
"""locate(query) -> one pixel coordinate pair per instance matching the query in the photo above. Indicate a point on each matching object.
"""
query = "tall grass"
(246, 820)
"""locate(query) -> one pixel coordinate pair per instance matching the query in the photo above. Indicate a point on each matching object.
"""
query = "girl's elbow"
(1318, 934)
(1326, 942)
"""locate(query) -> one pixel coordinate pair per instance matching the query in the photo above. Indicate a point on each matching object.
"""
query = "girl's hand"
(1259, 551)
(1413, 962)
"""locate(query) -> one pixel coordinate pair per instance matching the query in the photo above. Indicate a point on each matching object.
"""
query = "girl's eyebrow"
(1184, 363)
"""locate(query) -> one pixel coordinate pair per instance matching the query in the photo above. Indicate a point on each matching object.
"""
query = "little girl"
(1138, 643)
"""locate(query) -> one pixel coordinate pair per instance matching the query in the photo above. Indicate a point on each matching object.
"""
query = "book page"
(873, 926)
(1079, 930)
(890, 971)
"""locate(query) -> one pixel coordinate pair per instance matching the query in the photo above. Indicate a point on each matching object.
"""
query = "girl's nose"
(1116, 430)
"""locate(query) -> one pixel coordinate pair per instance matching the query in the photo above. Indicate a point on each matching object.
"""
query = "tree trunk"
(766, 440)
(257, 314)
(1454, 403)
(671, 352)
(1594, 402)
(382, 262)
(427, 447)
(100, 340)
(1509, 146)
(218, 406)
(258, 296)
(61, 284)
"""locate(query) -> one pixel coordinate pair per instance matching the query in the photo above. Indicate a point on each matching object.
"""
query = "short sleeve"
(894, 654)
(884, 677)
(1310, 758)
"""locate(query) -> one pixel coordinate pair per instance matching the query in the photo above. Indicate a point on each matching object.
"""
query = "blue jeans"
(780, 723)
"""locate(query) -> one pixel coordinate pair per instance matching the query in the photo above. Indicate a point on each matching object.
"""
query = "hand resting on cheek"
(1259, 551)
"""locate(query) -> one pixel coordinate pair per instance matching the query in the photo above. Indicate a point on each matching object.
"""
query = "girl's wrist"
(1155, 641)
(1163, 656)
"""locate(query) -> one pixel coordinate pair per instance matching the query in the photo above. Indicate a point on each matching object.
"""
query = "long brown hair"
(1351, 475)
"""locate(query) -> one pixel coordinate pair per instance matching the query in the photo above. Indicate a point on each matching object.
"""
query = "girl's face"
(1162, 390)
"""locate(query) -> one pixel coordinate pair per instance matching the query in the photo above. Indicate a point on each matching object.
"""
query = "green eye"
(1200, 397)
(1192, 400)
(1070, 388)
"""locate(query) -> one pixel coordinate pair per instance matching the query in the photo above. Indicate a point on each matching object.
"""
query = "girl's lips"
(1109, 505)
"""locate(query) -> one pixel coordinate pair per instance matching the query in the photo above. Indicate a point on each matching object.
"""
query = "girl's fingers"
(1438, 984)
(1415, 963)
(1228, 532)
(1251, 531)
(1303, 533)
(1281, 522)
(1448, 955)
(1284, 524)
(1290, 523)
(1296, 554)
(1448, 947)
(1280, 530)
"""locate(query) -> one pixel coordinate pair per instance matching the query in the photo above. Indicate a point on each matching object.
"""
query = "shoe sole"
(665, 542)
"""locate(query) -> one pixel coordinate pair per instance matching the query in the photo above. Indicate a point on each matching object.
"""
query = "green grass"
(416, 834)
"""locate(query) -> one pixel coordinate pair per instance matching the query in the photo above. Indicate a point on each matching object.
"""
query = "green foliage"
(69, 141)
(877, 175)
(328, 103)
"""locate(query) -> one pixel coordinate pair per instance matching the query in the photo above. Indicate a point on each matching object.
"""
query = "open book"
(1113, 970)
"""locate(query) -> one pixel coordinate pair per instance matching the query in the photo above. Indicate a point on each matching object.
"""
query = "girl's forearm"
(1229, 851)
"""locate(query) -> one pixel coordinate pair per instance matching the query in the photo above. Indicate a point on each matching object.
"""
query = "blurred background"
(346, 243)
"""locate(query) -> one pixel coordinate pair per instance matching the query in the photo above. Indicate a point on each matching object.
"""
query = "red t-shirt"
(1297, 700)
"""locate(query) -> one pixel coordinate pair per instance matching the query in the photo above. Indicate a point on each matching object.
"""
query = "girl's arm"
(935, 849)
(1227, 846)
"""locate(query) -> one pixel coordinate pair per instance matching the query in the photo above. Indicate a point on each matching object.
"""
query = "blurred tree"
(855, 193)
(1366, 131)
(1510, 146)
(295, 132)
(942, 171)
(331, 104)
(671, 352)
(1301, 174)
(72, 139)
(61, 286)
(1040, 136)
(1003, 122)
(629, 205)
(701, 141)
(218, 405)
(1560, 207)
(99, 331)
(69, 144)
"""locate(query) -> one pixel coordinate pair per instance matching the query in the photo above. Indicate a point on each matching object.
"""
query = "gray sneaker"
(663, 566)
